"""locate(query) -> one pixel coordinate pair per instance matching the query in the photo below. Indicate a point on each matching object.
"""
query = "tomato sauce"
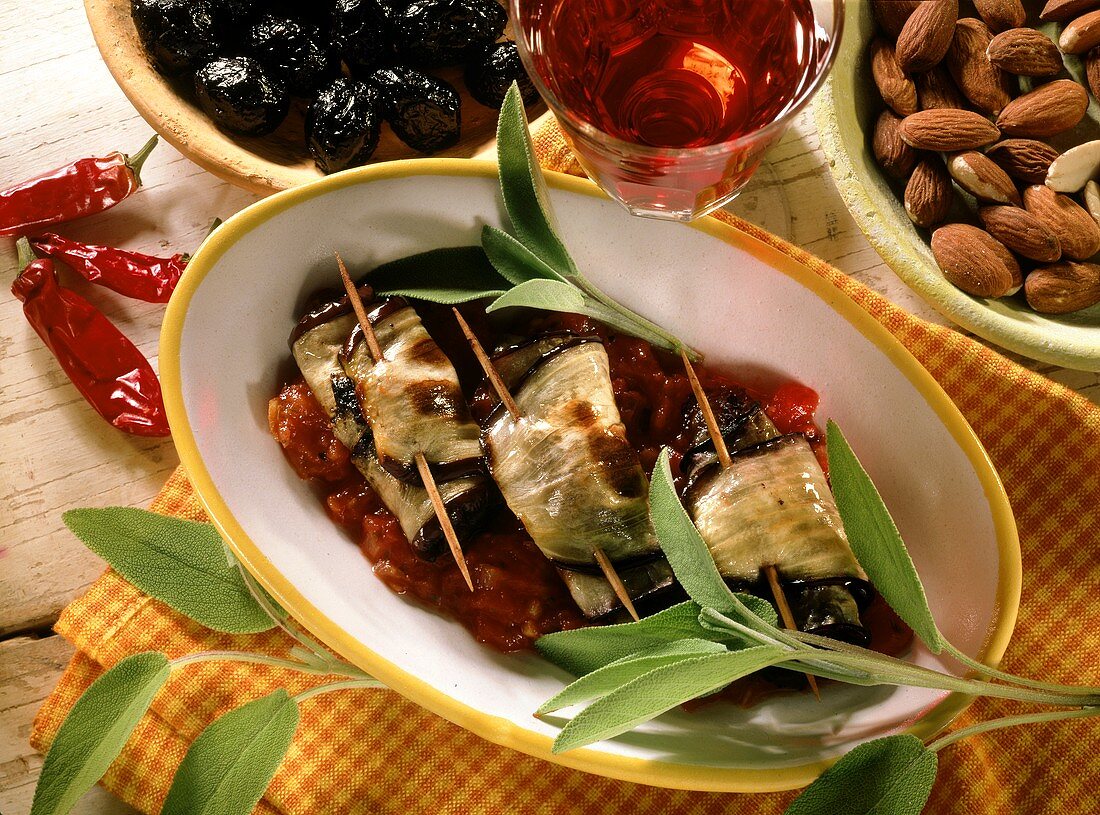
(518, 594)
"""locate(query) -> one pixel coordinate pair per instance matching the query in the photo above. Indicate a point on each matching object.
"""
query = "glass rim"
(778, 124)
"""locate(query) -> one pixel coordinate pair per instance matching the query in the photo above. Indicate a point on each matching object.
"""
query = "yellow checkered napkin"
(373, 752)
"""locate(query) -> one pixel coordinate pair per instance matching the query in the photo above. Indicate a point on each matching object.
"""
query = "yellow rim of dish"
(502, 731)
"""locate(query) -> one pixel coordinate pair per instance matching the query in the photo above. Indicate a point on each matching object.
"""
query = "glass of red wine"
(669, 105)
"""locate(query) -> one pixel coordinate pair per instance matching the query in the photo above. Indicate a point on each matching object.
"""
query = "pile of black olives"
(353, 63)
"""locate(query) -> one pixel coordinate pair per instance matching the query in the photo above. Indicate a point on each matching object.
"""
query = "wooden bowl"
(260, 164)
(846, 110)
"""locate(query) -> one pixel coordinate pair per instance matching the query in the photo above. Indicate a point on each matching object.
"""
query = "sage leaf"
(94, 732)
(616, 674)
(583, 650)
(181, 563)
(888, 776)
(689, 556)
(512, 259)
(876, 542)
(550, 295)
(456, 274)
(230, 765)
(523, 187)
(660, 690)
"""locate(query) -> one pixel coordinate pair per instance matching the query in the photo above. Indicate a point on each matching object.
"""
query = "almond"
(1076, 167)
(1092, 200)
(948, 130)
(1092, 71)
(1025, 52)
(983, 179)
(1000, 15)
(1021, 232)
(974, 260)
(936, 89)
(1081, 34)
(929, 194)
(1063, 287)
(898, 90)
(981, 82)
(892, 154)
(1062, 10)
(1049, 109)
(1027, 160)
(1076, 229)
(926, 35)
(892, 14)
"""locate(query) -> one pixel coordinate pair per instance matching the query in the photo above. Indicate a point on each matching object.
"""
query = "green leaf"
(584, 650)
(612, 676)
(689, 556)
(512, 259)
(181, 563)
(660, 690)
(94, 732)
(456, 274)
(888, 776)
(231, 763)
(524, 188)
(551, 295)
(876, 542)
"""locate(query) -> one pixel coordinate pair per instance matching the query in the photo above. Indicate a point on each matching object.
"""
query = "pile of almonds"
(956, 116)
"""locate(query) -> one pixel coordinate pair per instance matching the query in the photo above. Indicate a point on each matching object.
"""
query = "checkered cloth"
(372, 751)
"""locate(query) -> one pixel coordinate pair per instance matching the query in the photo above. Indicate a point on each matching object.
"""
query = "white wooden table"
(59, 103)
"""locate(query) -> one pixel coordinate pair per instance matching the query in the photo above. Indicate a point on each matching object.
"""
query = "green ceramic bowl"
(846, 109)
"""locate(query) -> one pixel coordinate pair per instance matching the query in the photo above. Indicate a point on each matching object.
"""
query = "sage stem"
(261, 659)
(1012, 721)
(347, 685)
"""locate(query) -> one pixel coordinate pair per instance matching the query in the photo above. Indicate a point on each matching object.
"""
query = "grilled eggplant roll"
(773, 506)
(316, 343)
(567, 471)
(412, 398)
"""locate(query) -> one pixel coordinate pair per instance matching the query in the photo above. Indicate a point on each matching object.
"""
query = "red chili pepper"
(82, 188)
(143, 277)
(107, 369)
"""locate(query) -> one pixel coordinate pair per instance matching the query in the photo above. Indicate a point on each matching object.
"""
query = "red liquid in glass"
(673, 73)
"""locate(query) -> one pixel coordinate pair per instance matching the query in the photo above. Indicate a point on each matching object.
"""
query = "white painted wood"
(59, 103)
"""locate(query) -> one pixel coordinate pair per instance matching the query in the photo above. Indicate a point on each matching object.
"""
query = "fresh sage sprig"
(187, 566)
(530, 269)
(888, 776)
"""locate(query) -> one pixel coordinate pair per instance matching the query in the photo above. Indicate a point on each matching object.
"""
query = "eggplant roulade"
(411, 397)
(773, 506)
(569, 474)
(316, 343)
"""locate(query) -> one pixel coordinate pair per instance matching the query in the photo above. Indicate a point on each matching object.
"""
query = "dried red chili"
(143, 277)
(85, 187)
(107, 369)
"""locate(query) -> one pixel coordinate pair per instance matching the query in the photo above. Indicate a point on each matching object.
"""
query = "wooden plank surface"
(55, 453)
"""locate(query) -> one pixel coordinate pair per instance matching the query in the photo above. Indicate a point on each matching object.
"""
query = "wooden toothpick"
(360, 312)
(708, 413)
(786, 615)
(491, 373)
(421, 462)
(724, 457)
(444, 518)
(487, 366)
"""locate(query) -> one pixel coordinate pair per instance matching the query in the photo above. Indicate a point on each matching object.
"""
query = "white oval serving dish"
(751, 309)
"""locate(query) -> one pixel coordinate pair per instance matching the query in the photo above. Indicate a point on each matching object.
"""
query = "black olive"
(434, 33)
(423, 111)
(343, 124)
(489, 76)
(232, 19)
(240, 96)
(293, 53)
(178, 35)
(361, 35)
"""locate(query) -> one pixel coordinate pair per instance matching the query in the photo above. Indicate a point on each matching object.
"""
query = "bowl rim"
(896, 248)
(493, 728)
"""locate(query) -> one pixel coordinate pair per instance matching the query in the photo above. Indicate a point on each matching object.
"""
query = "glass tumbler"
(670, 105)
